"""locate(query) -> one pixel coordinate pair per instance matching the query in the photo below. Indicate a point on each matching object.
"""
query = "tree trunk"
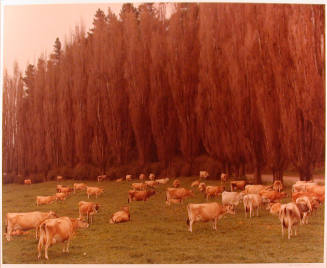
(242, 169)
(258, 178)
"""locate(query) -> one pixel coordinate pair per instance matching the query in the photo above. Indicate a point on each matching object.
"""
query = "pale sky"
(30, 30)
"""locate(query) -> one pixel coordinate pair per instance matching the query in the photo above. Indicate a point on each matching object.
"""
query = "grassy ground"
(158, 233)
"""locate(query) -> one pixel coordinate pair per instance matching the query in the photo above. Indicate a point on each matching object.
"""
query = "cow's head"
(229, 209)
(52, 215)
(125, 208)
(97, 207)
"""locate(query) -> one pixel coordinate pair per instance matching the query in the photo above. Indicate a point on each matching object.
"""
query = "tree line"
(242, 84)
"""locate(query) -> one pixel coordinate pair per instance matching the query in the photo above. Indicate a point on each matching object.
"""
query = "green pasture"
(158, 233)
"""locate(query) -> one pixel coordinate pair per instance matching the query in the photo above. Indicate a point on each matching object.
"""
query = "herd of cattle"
(306, 197)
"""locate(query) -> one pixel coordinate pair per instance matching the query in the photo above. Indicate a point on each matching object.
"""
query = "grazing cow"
(223, 178)
(61, 196)
(151, 183)
(139, 195)
(54, 231)
(152, 176)
(142, 177)
(27, 182)
(318, 190)
(128, 177)
(162, 181)
(122, 215)
(77, 223)
(176, 183)
(306, 201)
(64, 189)
(290, 215)
(79, 186)
(120, 180)
(43, 200)
(59, 178)
(101, 178)
(26, 221)
(272, 196)
(207, 212)
(139, 186)
(254, 189)
(195, 183)
(93, 191)
(237, 185)
(88, 209)
(202, 187)
(232, 198)
(274, 208)
(252, 202)
(214, 191)
(177, 193)
(204, 174)
(278, 186)
(301, 186)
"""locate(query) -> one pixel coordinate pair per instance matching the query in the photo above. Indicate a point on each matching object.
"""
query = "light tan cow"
(195, 183)
(202, 187)
(78, 223)
(318, 190)
(128, 177)
(120, 180)
(27, 182)
(306, 201)
(89, 209)
(43, 200)
(122, 215)
(177, 193)
(207, 212)
(152, 176)
(252, 202)
(296, 195)
(162, 181)
(79, 186)
(93, 191)
(232, 198)
(214, 191)
(274, 208)
(204, 174)
(61, 196)
(26, 221)
(237, 185)
(142, 177)
(255, 189)
(101, 178)
(176, 183)
(139, 186)
(223, 178)
(54, 231)
(151, 183)
(139, 195)
(59, 178)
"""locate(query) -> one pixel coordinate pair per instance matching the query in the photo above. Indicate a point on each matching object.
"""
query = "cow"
(214, 191)
(223, 178)
(255, 189)
(88, 209)
(207, 212)
(26, 221)
(174, 201)
(139, 195)
(301, 186)
(176, 183)
(232, 198)
(79, 186)
(204, 174)
(122, 215)
(61, 196)
(27, 182)
(290, 215)
(139, 186)
(59, 178)
(151, 183)
(101, 178)
(195, 183)
(93, 191)
(202, 187)
(120, 180)
(278, 186)
(18, 233)
(272, 196)
(54, 231)
(78, 223)
(318, 190)
(306, 201)
(274, 208)
(162, 181)
(237, 185)
(296, 195)
(142, 177)
(66, 190)
(152, 176)
(252, 202)
(128, 177)
(44, 200)
(177, 193)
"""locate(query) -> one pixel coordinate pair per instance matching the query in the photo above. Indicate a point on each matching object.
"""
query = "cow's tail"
(42, 233)
(188, 215)
(283, 214)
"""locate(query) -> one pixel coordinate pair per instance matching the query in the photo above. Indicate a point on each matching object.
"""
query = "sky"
(30, 30)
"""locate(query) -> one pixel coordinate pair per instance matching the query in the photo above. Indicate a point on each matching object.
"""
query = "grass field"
(158, 233)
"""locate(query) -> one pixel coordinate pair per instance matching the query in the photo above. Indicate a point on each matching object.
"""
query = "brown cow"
(207, 212)
(122, 215)
(278, 186)
(272, 196)
(237, 185)
(93, 191)
(195, 183)
(59, 178)
(44, 200)
(128, 177)
(176, 183)
(152, 176)
(27, 182)
(139, 186)
(79, 186)
(223, 178)
(177, 193)
(26, 221)
(213, 191)
(139, 195)
(274, 208)
(101, 178)
(151, 183)
(88, 209)
(142, 177)
(61, 196)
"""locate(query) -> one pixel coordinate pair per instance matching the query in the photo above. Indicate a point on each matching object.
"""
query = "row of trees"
(242, 83)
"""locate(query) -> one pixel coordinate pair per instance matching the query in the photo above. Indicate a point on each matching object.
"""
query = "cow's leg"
(191, 223)
(258, 211)
(289, 231)
(282, 230)
(47, 245)
(88, 196)
(215, 224)
(250, 211)
(245, 211)
(9, 230)
(36, 231)
(39, 248)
